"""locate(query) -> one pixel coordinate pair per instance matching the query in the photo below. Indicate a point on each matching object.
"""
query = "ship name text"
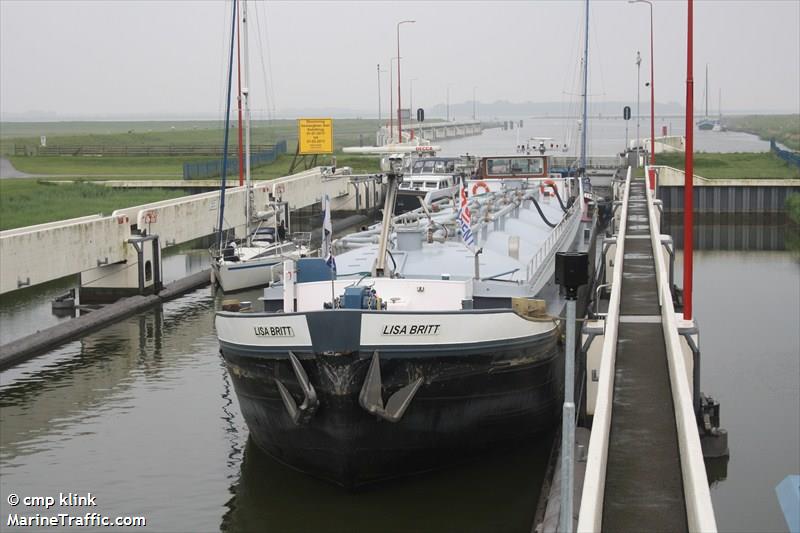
(273, 331)
(411, 329)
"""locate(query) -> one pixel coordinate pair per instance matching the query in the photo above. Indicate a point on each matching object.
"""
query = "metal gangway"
(645, 469)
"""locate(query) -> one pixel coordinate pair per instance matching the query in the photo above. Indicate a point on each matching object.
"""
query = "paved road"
(7, 170)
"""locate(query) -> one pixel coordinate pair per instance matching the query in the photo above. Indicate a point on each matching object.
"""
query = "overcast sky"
(159, 58)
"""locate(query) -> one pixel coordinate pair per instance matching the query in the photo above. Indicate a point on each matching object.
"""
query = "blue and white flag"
(327, 233)
(465, 220)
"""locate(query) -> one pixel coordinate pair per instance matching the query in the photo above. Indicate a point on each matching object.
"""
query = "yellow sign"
(315, 136)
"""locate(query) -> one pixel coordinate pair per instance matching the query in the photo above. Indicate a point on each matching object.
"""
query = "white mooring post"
(288, 286)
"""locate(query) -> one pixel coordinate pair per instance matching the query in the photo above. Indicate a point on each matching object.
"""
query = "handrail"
(591, 509)
(699, 509)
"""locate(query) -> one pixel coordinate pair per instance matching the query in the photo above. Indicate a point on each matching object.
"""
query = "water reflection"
(767, 232)
(498, 493)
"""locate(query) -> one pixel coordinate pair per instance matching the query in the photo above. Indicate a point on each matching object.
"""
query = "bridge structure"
(433, 131)
(120, 253)
(644, 470)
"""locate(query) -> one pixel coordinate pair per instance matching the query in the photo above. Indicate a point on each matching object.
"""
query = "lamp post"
(448, 102)
(379, 96)
(399, 107)
(652, 97)
(411, 96)
(638, 112)
(391, 100)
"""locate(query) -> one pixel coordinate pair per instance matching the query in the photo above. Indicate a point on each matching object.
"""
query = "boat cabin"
(512, 167)
(425, 175)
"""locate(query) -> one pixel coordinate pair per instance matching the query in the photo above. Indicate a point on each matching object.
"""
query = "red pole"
(652, 108)
(239, 99)
(688, 192)
(399, 119)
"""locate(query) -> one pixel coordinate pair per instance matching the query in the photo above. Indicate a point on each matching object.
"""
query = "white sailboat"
(258, 260)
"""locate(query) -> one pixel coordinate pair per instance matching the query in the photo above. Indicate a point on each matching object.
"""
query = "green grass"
(734, 165)
(25, 202)
(144, 168)
(346, 132)
(783, 128)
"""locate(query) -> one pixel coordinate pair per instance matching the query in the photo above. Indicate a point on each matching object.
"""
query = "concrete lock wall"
(78, 244)
(93, 244)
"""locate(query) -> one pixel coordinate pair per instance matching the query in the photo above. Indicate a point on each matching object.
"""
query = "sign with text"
(315, 136)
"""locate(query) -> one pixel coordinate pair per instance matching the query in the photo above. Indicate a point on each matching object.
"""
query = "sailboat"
(706, 123)
(718, 122)
(257, 259)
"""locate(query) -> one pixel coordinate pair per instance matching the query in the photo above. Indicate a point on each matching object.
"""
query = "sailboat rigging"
(257, 259)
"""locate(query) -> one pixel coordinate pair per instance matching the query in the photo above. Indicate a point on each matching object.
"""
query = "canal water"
(142, 414)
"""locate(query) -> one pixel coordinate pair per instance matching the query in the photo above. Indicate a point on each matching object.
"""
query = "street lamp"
(638, 112)
(391, 100)
(379, 95)
(399, 119)
(411, 96)
(448, 101)
(652, 96)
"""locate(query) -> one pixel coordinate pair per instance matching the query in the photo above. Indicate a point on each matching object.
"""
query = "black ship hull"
(468, 401)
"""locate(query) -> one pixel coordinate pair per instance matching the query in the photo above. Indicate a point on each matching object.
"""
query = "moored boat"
(426, 175)
(434, 340)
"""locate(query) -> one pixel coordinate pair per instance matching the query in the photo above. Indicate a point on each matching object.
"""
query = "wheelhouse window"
(513, 165)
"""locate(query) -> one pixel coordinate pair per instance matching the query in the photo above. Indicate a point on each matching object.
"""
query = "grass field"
(346, 132)
(733, 166)
(25, 202)
(147, 168)
(783, 128)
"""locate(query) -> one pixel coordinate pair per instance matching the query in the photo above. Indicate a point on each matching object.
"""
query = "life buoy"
(547, 187)
(150, 217)
(279, 190)
(480, 185)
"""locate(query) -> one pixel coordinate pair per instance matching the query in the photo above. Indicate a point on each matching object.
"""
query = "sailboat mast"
(227, 129)
(706, 91)
(585, 89)
(246, 92)
(239, 98)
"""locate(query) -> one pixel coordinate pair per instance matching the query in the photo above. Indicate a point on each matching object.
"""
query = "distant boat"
(707, 124)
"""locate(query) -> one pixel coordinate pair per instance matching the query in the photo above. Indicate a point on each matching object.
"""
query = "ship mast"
(585, 89)
(220, 238)
(246, 94)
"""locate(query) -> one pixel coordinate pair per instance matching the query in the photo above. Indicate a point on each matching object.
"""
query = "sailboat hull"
(236, 276)
(472, 397)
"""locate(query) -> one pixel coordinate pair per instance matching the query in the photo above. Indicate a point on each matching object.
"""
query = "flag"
(327, 233)
(465, 219)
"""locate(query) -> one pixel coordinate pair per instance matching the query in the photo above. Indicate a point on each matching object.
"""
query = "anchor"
(371, 398)
(302, 414)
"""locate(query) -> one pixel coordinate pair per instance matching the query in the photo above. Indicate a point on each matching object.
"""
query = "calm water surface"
(142, 415)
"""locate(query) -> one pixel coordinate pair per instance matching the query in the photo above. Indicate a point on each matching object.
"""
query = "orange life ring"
(480, 185)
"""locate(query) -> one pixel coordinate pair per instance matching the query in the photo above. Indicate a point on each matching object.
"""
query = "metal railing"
(590, 518)
(552, 244)
(699, 509)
